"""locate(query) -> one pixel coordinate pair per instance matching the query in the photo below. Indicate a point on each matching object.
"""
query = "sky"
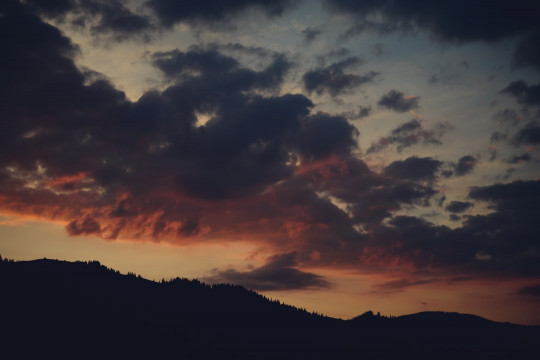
(341, 156)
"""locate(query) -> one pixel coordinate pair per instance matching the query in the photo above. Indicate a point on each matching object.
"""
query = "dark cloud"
(518, 159)
(525, 94)
(459, 206)
(503, 241)
(532, 291)
(175, 63)
(397, 101)
(465, 165)
(363, 111)
(279, 273)
(414, 168)
(409, 134)
(508, 234)
(84, 226)
(150, 169)
(371, 197)
(189, 228)
(334, 80)
(382, 202)
(527, 53)
(240, 48)
(41, 84)
(211, 65)
(171, 12)
(260, 165)
(488, 22)
(114, 18)
(513, 193)
(323, 135)
(310, 34)
(245, 147)
(248, 132)
(100, 16)
(52, 7)
(528, 135)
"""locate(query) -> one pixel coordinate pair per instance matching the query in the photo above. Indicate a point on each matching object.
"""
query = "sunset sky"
(337, 155)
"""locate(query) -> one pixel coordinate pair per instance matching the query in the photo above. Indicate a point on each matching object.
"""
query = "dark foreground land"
(58, 309)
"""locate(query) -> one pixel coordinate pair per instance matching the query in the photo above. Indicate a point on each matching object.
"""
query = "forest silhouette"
(57, 309)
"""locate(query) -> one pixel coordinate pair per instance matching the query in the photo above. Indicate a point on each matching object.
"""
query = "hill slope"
(81, 309)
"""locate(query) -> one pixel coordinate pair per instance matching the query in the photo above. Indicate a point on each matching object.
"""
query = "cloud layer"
(487, 22)
(223, 153)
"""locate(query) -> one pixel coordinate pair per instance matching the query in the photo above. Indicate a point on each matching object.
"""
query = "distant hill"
(85, 310)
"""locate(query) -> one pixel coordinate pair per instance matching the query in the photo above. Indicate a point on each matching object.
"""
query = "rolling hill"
(85, 310)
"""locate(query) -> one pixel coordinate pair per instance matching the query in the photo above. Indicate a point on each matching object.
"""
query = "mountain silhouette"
(58, 309)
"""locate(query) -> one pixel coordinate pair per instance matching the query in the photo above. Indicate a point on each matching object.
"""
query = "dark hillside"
(65, 309)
